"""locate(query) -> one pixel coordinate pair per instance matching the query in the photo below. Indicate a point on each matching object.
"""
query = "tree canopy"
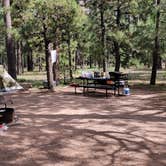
(100, 33)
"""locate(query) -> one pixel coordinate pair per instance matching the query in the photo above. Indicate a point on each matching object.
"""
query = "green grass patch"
(139, 78)
(157, 87)
(34, 83)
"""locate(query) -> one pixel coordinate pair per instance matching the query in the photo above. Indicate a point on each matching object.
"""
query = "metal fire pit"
(6, 115)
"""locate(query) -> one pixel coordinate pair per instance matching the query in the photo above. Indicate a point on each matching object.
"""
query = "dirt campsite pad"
(64, 129)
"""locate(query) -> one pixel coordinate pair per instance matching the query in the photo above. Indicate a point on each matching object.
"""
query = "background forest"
(94, 34)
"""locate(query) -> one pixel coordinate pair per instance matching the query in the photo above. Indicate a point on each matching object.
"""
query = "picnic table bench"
(95, 86)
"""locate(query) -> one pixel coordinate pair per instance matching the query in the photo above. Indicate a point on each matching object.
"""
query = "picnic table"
(114, 82)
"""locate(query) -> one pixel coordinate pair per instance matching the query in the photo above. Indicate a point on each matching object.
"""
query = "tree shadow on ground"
(66, 129)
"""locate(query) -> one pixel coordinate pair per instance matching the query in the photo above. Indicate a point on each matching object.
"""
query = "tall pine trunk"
(69, 55)
(11, 57)
(19, 58)
(76, 58)
(156, 46)
(116, 44)
(102, 36)
(30, 60)
(117, 56)
(40, 63)
(90, 61)
(159, 66)
(48, 59)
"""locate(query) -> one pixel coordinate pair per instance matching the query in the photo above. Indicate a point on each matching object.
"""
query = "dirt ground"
(64, 129)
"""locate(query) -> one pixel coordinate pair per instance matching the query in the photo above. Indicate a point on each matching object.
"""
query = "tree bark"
(159, 66)
(116, 44)
(11, 57)
(156, 47)
(117, 56)
(40, 63)
(90, 61)
(30, 60)
(75, 61)
(69, 55)
(102, 36)
(19, 58)
(48, 59)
